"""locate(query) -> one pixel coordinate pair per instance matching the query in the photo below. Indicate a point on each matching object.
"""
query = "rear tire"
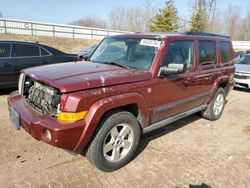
(215, 108)
(115, 142)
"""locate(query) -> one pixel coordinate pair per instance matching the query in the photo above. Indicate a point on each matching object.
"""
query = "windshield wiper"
(115, 64)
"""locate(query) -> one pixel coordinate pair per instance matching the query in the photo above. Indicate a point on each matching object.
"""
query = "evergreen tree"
(166, 20)
(199, 18)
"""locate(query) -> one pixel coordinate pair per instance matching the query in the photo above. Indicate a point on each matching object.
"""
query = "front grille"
(41, 96)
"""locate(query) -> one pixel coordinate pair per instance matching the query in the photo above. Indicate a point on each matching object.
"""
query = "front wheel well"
(132, 108)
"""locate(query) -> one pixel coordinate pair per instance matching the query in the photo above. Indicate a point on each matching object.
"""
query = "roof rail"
(206, 34)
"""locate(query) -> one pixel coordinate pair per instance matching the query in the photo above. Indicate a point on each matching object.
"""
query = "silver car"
(242, 72)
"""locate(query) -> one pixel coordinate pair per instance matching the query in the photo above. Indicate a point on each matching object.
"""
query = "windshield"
(244, 60)
(127, 52)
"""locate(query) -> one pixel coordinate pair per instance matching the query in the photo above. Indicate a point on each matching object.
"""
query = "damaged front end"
(40, 96)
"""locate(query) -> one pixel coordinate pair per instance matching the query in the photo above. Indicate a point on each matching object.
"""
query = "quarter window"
(43, 52)
(180, 52)
(4, 50)
(24, 50)
(225, 48)
(207, 52)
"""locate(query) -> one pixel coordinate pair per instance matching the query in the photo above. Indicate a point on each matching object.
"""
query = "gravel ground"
(188, 153)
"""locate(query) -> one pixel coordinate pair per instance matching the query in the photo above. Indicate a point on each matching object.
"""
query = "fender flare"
(99, 108)
(217, 83)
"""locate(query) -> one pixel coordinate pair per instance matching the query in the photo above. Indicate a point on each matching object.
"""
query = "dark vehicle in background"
(17, 55)
(85, 54)
(242, 71)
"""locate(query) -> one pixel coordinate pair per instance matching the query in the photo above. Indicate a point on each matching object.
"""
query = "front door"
(177, 93)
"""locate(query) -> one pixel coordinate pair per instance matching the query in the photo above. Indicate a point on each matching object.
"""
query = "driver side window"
(180, 52)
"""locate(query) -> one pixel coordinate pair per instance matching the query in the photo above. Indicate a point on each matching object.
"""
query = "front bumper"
(63, 135)
(242, 82)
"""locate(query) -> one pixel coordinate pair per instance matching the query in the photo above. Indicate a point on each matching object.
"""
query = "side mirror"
(172, 68)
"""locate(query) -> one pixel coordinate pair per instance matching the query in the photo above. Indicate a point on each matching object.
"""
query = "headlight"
(20, 83)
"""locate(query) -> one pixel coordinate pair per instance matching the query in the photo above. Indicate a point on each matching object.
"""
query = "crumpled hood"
(75, 76)
(243, 68)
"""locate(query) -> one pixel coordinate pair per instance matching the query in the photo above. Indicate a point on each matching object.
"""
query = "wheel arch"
(131, 102)
(222, 82)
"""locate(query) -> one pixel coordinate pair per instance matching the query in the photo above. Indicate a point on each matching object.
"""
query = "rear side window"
(44, 52)
(4, 50)
(225, 48)
(207, 52)
(24, 50)
(180, 52)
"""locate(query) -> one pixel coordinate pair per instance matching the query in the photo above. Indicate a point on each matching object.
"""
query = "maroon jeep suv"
(132, 84)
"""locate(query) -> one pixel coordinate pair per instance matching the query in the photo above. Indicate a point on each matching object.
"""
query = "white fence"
(56, 30)
(241, 45)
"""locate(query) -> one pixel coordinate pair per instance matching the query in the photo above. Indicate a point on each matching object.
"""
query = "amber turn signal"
(71, 117)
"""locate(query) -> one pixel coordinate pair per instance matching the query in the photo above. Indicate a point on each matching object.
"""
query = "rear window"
(4, 50)
(207, 52)
(25, 50)
(225, 48)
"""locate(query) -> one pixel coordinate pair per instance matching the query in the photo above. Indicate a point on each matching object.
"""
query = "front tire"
(215, 108)
(115, 142)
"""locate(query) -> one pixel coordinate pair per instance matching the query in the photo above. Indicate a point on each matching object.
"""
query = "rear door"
(6, 66)
(207, 64)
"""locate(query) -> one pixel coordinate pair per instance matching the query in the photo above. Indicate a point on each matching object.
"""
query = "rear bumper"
(63, 135)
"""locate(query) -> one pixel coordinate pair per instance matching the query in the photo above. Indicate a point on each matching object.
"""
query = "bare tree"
(211, 13)
(245, 27)
(231, 22)
(1, 14)
(132, 18)
(91, 22)
(136, 19)
(117, 18)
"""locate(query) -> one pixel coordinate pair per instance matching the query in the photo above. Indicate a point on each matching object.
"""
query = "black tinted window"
(44, 52)
(207, 52)
(4, 50)
(24, 50)
(180, 52)
(225, 48)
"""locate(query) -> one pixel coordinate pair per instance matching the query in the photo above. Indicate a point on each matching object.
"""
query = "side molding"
(165, 122)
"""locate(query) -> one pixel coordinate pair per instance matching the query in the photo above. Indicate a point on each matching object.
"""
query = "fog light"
(46, 135)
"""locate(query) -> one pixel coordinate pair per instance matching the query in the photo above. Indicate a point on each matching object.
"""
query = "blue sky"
(65, 11)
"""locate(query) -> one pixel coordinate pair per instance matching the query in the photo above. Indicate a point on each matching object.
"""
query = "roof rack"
(206, 34)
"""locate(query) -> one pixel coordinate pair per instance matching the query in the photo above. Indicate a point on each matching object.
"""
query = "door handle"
(189, 80)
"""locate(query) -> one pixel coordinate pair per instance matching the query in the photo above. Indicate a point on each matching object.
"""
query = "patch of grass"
(68, 45)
